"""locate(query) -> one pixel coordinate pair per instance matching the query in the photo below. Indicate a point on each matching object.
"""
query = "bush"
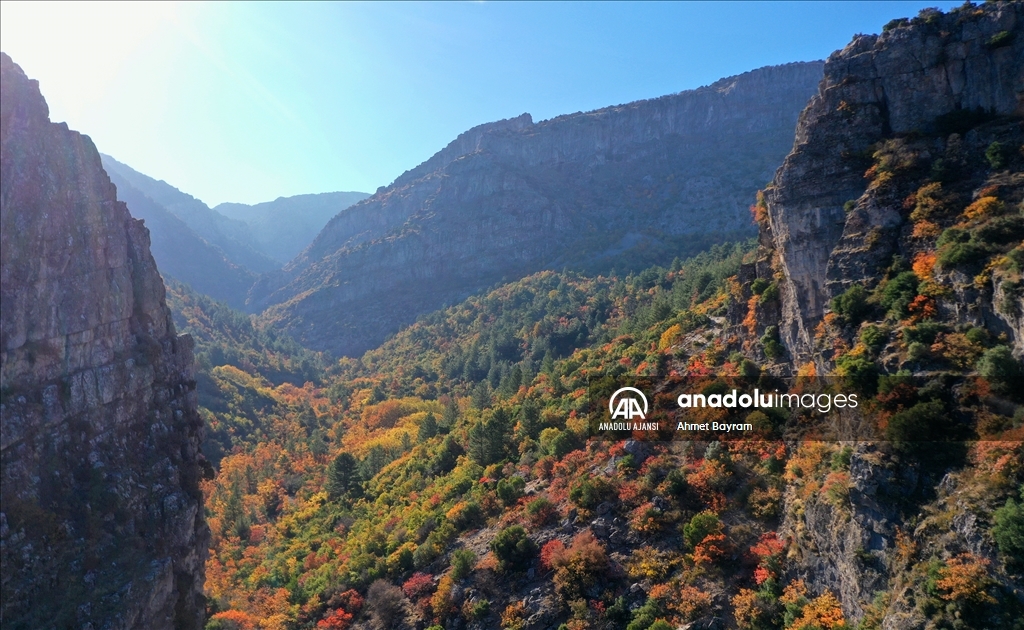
(510, 490)
(1008, 530)
(995, 153)
(700, 527)
(770, 294)
(387, 605)
(923, 332)
(463, 561)
(898, 293)
(999, 367)
(540, 511)
(852, 304)
(874, 337)
(758, 286)
(923, 422)
(1000, 39)
(513, 548)
(587, 493)
(859, 372)
(1001, 231)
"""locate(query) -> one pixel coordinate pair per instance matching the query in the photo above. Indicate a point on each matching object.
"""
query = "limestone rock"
(102, 518)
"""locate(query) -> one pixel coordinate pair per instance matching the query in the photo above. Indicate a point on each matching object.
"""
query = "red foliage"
(551, 553)
(337, 619)
(419, 585)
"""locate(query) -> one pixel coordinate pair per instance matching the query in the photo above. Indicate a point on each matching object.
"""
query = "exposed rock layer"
(102, 522)
(902, 82)
(624, 186)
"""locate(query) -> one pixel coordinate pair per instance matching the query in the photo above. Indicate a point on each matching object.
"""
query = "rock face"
(912, 79)
(102, 522)
(234, 238)
(626, 187)
(184, 255)
(287, 225)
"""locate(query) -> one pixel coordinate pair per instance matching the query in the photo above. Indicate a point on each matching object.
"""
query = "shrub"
(859, 372)
(897, 294)
(995, 153)
(1008, 530)
(758, 286)
(589, 492)
(513, 548)
(465, 514)
(701, 526)
(510, 490)
(922, 332)
(999, 367)
(770, 294)
(540, 511)
(1000, 39)
(874, 337)
(578, 566)
(852, 304)
(387, 605)
(922, 422)
(1001, 230)
(463, 561)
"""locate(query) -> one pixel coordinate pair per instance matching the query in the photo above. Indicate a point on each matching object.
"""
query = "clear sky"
(247, 102)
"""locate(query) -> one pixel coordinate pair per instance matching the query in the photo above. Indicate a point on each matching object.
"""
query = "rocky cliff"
(625, 186)
(894, 229)
(182, 254)
(928, 77)
(102, 523)
(232, 237)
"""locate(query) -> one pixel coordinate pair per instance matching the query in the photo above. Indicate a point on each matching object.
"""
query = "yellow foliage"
(984, 207)
(670, 336)
(822, 613)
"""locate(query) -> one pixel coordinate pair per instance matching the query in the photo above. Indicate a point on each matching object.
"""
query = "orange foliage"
(710, 549)
(965, 578)
(241, 620)
(923, 265)
(822, 613)
(984, 206)
(691, 603)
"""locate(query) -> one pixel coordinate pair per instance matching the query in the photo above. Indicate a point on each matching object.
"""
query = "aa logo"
(627, 407)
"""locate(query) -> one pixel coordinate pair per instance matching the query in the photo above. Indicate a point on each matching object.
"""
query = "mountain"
(453, 478)
(285, 226)
(102, 522)
(182, 254)
(233, 237)
(623, 186)
(942, 75)
(894, 232)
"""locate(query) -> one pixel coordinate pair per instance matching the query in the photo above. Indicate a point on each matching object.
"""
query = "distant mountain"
(287, 225)
(233, 237)
(182, 254)
(625, 186)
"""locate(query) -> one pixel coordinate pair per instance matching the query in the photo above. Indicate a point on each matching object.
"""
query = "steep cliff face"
(929, 77)
(102, 523)
(625, 186)
(904, 197)
(184, 255)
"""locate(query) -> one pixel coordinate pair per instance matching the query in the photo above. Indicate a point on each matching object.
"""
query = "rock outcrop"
(916, 78)
(625, 186)
(102, 522)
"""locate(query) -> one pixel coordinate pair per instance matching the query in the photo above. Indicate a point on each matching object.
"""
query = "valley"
(352, 411)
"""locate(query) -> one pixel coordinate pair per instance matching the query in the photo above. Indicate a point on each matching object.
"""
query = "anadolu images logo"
(628, 407)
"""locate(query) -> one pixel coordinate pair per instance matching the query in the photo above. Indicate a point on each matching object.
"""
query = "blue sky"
(247, 102)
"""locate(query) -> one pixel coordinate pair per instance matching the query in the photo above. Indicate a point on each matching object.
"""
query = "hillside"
(451, 478)
(182, 254)
(287, 225)
(234, 238)
(621, 187)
